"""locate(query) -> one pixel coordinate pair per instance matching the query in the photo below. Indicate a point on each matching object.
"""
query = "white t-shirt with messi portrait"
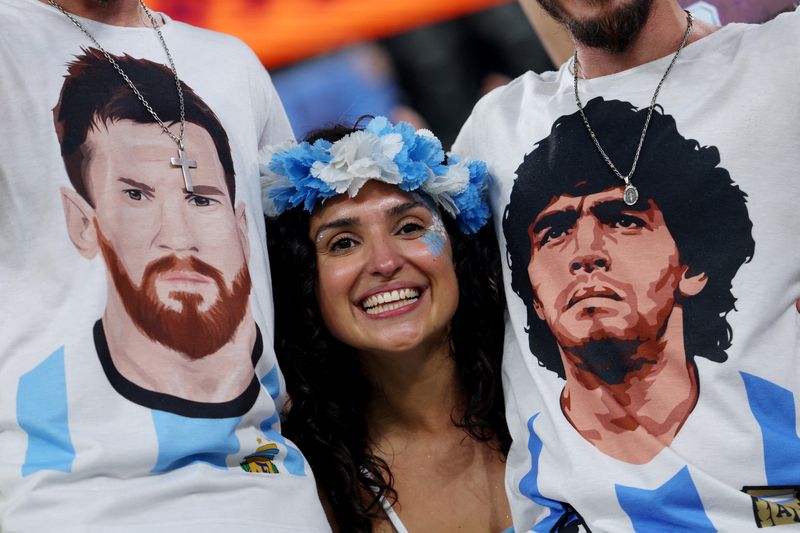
(139, 389)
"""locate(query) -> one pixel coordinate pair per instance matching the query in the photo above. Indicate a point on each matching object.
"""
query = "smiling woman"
(385, 285)
(389, 328)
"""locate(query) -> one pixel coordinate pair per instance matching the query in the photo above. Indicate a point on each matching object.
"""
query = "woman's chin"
(404, 341)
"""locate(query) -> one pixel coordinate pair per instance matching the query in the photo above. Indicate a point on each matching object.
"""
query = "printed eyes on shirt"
(201, 201)
(134, 194)
(137, 195)
(627, 222)
(552, 228)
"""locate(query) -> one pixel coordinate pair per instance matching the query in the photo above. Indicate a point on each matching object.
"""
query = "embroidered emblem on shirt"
(261, 462)
(775, 506)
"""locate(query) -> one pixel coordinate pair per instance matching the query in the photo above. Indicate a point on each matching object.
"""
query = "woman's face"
(385, 276)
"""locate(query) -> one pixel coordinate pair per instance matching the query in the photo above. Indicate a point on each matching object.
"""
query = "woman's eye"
(133, 194)
(410, 227)
(345, 243)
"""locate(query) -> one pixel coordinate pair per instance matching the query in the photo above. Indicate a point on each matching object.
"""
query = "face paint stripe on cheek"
(434, 242)
(435, 237)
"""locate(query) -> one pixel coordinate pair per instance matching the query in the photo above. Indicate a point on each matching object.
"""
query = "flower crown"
(305, 174)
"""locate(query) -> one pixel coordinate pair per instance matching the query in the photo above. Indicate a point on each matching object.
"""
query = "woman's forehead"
(375, 199)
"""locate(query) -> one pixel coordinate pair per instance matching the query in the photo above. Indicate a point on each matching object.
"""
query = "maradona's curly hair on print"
(328, 390)
(704, 210)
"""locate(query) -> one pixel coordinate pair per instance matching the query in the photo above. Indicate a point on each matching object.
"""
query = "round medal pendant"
(630, 195)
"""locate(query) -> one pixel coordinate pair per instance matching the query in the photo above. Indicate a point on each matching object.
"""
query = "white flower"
(359, 157)
(442, 188)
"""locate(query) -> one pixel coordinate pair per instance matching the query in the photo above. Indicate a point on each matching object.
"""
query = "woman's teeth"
(389, 300)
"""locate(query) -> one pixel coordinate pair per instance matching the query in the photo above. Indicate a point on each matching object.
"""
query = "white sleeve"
(276, 127)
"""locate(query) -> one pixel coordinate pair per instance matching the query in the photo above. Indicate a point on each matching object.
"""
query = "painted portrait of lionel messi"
(177, 333)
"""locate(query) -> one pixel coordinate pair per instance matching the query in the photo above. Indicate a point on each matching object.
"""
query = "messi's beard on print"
(190, 330)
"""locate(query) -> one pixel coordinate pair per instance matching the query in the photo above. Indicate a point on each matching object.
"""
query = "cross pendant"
(185, 164)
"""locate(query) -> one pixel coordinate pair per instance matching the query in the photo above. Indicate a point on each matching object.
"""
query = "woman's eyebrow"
(402, 208)
(352, 221)
(334, 224)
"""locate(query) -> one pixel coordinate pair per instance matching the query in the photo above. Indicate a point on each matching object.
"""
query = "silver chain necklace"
(180, 161)
(631, 193)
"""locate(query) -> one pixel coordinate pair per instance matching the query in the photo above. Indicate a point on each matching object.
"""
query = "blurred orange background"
(285, 31)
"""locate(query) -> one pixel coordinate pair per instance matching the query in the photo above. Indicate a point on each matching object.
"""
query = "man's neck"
(114, 12)
(660, 36)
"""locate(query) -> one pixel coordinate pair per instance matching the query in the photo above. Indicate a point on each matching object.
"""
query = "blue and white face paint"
(436, 234)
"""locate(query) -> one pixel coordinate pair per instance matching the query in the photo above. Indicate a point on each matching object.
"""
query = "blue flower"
(380, 126)
(419, 155)
(473, 208)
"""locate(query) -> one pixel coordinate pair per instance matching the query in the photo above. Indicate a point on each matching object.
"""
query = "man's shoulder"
(496, 118)
(781, 28)
(14, 13)
(220, 49)
(789, 18)
(785, 27)
(213, 39)
(527, 89)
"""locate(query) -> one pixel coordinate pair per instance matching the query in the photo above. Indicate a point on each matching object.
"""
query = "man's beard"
(189, 331)
(614, 31)
(611, 360)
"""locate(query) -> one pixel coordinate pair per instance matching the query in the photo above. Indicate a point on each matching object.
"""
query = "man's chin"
(602, 24)
(586, 11)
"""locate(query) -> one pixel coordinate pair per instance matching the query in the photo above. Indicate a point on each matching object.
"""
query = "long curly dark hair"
(327, 387)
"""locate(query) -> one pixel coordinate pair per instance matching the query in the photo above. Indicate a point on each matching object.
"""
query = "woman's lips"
(391, 302)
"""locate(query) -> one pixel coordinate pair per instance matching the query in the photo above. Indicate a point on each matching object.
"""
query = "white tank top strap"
(394, 519)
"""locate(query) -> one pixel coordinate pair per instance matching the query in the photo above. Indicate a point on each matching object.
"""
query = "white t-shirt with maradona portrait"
(650, 366)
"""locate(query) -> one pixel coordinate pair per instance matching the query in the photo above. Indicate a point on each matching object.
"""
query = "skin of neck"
(218, 377)
(652, 402)
(416, 395)
(414, 391)
(127, 13)
(660, 36)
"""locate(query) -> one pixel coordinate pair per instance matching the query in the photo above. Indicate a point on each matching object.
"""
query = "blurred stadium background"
(423, 61)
